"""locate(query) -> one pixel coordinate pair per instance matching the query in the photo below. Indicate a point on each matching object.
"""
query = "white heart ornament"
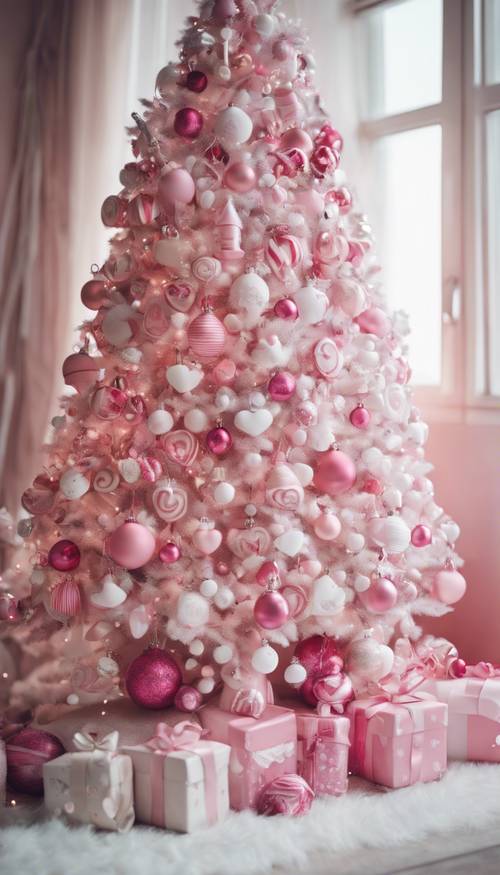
(207, 540)
(253, 422)
(182, 378)
(290, 543)
(304, 473)
(327, 597)
(139, 621)
(110, 596)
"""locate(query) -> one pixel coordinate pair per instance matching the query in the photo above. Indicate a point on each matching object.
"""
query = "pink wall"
(466, 478)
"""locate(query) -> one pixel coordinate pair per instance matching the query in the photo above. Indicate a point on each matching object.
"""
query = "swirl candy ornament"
(106, 480)
(170, 500)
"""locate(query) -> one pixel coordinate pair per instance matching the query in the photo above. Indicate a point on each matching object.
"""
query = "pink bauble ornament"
(421, 536)
(458, 668)
(286, 308)
(335, 473)
(64, 556)
(267, 571)
(153, 679)
(131, 545)
(26, 753)
(239, 177)
(219, 441)
(80, 371)
(207, 540)
(296, 138)
(380, 597)
(206, 336)
(223, 9)
(176, 186)
(196, 81)
(327, 527)
(282, 386)
(39, 498)
(360, 417)
(449, 586)
(271, 610)
(169, 553)
(288, 794)
(188, 699)
(66, 598)
(373, 321)
(94, 294)
(318, 654)
(188, 123)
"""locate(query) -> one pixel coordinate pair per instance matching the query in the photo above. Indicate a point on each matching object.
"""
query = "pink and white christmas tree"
(238, 472)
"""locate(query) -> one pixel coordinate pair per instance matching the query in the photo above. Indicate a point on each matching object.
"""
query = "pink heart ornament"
(207, 541)
(180, 446)
(249, 542)
(180, 296)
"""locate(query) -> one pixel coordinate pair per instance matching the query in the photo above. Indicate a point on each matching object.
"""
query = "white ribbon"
(86, 742)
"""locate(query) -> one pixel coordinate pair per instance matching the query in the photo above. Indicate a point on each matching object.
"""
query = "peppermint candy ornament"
(283, 252)
(169, 500)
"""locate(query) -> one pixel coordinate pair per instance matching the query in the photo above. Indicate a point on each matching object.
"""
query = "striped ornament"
(283, 253)
(206, 336)
(66, 598)
(143, 210)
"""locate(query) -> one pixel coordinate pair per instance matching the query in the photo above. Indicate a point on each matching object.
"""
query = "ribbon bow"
(483, 670)
(88, 743)
(182, 735)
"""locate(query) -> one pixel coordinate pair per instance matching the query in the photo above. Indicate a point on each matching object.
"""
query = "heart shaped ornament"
(206, 540)
(328, 357)
(253, 422)
(110, 596)
(327, 597)
(180, 296)
(169, 500)
(182, 378)
(180, 446)
(304, 473)
(246, 543)
(290, 543)
(139, 621)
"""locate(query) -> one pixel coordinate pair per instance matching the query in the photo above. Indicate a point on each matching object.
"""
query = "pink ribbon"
(483, 670)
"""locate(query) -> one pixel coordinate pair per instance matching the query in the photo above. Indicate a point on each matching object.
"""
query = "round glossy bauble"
(188, 123)
(239, 177)
(131, 545)
(335, 473)
(196, 81)
(176, 186)
(187, 699)
(153, 679)
(366, 659)
(380, 597)
(80, 371)
(94, 294)
(288, 794)
(64, 556)
(282, 386)
(26, 753)
(224, 598)
(206, 336)
(160, 422)
(267, 571)
(421, 535)
(373, 321)
(360, 417)
(271, 610)
(233, 126)
(169, 553)
(219, 441)
(327, 527)
(295, 674)
(458, 668)
(449, 586)
(285, 308)
(66, 599)
(390, 532)
(224, 492)
(318, 654)
(296, 138)
(265, 659)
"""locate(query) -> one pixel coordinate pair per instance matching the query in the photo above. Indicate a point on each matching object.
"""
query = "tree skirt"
(468, 795)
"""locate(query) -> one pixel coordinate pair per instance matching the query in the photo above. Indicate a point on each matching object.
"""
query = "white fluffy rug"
(249, 845)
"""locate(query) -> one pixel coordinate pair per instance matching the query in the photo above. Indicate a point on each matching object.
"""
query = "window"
(430, 126)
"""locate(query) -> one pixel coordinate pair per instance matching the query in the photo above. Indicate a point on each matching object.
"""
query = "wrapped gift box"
(261, 749)
(93, 786)
(398, 742)
(323, 751)
(473, 716)
(180, 780)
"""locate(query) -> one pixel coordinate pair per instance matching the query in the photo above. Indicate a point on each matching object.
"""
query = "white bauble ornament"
(304, 473)
(205, 686)
(392, 533)
(223, 654)
(354, 542)
(191, 664)
(196, 648)
(361, 583)
(224, 598)
(192, 610)
(196, 420)
(418, 432)
(107, 667)
(224, 493)
(392, 498)
(263, 24)
(265, 659)
(208, 588)
(450, 530)
(233, 126)
(290, 543)
(73, 484)
(160, 421)
(295, 674)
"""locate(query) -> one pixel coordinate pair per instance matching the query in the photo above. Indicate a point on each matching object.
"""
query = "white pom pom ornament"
(160, 421)
(392, 533)
(233, 126)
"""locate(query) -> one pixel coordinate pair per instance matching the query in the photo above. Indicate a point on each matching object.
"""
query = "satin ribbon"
(107, 744)
(483, 670)
(183, 736)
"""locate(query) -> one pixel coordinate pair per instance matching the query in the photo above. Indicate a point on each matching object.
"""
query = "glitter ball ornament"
(188, 123)
(153, 679)
(282, 386)
(271, 610)
(169, 553)
(335, 473)
(286, 308)
(318, 654)
(80, 371)
(176, 186)
(381, 596)
(188, 699)
(206, 336)
(219, 441)
(64, 556)
(287, 794)
(449, 586)
(196, 81)
(131, 545)
(421, 536)
(66, 598)
(26, 753)
(360, 417)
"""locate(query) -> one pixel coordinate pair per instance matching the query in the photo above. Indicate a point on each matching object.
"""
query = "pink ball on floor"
(27, 751)
(288, 794)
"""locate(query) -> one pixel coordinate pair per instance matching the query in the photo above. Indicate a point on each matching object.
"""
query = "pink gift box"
(398, 743)
(473, 716)
(323, 751)
(261, 749)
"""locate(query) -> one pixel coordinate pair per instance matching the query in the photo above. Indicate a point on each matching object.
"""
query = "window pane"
(403, 49)
(493, 186)
(409, 222)
(492, 41)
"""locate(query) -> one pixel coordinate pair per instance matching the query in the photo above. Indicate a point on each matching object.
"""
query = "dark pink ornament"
(64, 556)
(360, 417)
(266, 572)
(421, 536)
(458, 668)
(188, 123)
(188, 699)
(169, 553)
(94, 294)
(80, 371)
(307, 693)
(319, 655)
(219, 441)
(271, 610)
(26, 752)
(153, 679)
(335, 473)
(196, 81)
(285, 308)
(288, 794)
(282, 386)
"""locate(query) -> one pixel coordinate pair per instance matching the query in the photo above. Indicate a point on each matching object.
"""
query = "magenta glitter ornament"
(80, 371)
(169, 553)
(335, 473)
(26, 753)
(360, 417)
(176, 186)
(271, 610)
(206, 336)
(318, 654)
(219, 441)
(421, 536)
(94, 294)
(449, 586)
(287, 794)
(282, 386)
(131, 545)
(380, 597)
(153, 679)
(64, 556)
(188, 699)
(196, 81)
(188, 123)
(239, 177)
(285, 308)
